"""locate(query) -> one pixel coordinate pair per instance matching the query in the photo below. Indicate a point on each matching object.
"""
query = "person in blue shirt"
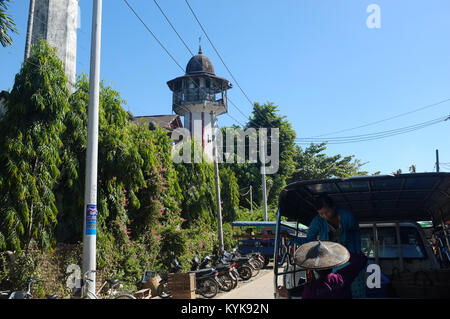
(338, 225)
(334, 224)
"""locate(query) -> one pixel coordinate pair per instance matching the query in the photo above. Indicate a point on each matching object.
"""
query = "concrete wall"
(57, 21)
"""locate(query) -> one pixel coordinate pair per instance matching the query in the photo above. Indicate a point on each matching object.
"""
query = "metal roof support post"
(295, 265)
(444, 230)
(275, 255)
(399, 247)
(375, 243)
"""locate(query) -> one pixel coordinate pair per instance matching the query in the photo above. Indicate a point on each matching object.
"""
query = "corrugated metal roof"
(418, 197)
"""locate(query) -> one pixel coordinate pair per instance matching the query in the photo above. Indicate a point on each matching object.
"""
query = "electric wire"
(153, 35)
(192, 54)
(386, 119)
(374, 134)
(173, 28)
(371, 136)
(223, 62)
(166, 50)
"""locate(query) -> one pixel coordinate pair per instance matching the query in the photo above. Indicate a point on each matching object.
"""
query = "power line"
(370, 137)
(218, 54)
(374, 136)
(173, 28)
(153, 35)
(165, 49)
(365, 139)
(386, 119)
(234, 119)
(223, 62)
(192, 54)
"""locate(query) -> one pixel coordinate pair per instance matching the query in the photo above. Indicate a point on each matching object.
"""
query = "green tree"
(138, 192)
(30, 150)
(196, 180)
(267, 116)
(229, 193)
(312, 163)
(7, 24)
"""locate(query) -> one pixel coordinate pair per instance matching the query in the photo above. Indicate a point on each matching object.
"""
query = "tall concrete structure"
(200, 96)
(57, 22)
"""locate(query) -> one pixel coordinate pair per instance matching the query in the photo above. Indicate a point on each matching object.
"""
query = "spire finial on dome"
(200, 45)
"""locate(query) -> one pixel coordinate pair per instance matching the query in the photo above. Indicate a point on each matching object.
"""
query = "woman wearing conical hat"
(322, 257)
(338, 225)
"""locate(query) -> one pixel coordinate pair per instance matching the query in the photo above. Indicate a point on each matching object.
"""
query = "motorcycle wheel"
(163, 290)
(266, 261)
(258, 263)
(226, 282)
(208, 288)
(235, 279)
(255, 269)
(245, 272)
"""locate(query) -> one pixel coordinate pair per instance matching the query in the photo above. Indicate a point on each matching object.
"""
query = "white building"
(199, 96)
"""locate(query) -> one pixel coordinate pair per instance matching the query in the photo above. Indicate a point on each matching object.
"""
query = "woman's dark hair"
(322, 201)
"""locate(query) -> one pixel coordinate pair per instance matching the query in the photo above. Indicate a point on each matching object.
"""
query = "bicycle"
(27, 294)
(112, 292)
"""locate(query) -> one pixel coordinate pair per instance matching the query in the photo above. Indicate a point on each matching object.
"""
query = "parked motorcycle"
(256, 259)
(244, 269)
(227, 279)
(253, 260)
(206, 281)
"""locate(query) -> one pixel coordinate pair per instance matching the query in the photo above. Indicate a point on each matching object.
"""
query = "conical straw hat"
(320, 255)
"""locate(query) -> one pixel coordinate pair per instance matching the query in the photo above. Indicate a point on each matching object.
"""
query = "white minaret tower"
(200, 96)
(57, 22)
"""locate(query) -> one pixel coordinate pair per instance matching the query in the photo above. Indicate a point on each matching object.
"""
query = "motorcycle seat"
(244, 259)
(204, 272)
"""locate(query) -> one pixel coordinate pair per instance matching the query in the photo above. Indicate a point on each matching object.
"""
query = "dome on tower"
(199, 63)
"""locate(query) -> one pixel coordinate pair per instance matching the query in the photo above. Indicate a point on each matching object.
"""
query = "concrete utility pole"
(251, 198)
(90, 197)
(437, 161)
(263, 173)
(216, 171)
(29, 30)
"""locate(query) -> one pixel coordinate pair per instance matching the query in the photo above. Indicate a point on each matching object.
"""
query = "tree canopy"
(150, 209)
(7, 24)
(30, 143)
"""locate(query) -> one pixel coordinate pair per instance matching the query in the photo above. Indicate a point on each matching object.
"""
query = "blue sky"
(316, 59)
